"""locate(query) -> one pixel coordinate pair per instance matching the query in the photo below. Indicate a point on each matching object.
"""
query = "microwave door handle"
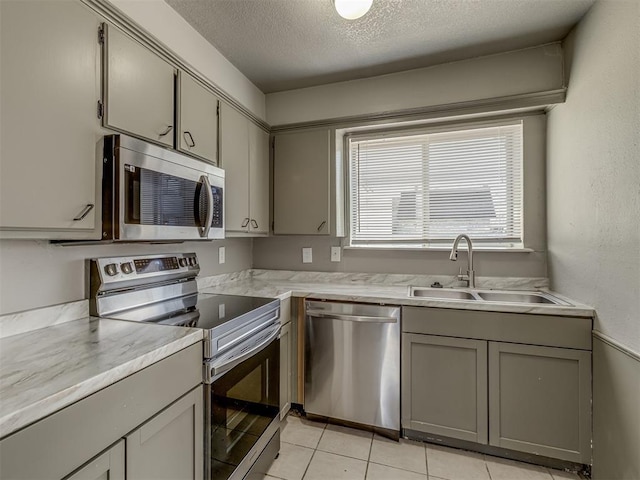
(204, 232)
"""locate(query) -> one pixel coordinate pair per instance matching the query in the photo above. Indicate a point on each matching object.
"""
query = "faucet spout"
(470, 276)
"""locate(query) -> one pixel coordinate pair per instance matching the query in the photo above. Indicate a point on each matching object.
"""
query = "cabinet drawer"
(553, 331)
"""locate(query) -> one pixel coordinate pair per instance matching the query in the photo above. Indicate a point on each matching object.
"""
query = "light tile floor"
(317, 451)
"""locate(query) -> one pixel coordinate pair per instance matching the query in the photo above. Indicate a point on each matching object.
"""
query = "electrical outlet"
(221, 255)
(307, 255)
(335, 254)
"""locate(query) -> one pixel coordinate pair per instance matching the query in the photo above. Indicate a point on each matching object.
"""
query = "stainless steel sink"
(486, 296)
(440, 293)
(520, 297)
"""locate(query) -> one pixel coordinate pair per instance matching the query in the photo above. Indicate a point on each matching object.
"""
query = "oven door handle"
(213, 371)
(204, 232)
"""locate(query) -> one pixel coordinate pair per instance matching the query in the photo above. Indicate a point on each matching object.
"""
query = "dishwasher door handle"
(350, 318)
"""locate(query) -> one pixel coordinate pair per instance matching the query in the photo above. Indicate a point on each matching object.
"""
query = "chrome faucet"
(470, 276)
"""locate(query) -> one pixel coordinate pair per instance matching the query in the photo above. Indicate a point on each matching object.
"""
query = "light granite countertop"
(55, 356)
(45, 370)
(380, 288)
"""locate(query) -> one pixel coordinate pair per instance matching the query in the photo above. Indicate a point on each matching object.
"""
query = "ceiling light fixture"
(352, 9)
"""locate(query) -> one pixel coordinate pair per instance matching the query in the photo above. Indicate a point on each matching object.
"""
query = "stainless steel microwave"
(150, 193)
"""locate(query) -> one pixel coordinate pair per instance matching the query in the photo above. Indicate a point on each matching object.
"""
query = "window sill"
(462, 248)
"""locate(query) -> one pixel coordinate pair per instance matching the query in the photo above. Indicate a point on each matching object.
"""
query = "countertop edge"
(378, 295)
(37, 411)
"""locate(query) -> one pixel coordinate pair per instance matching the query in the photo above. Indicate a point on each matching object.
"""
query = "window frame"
(533, 199)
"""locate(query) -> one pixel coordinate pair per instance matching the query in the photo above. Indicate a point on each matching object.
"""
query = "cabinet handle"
(254, 224)
(85, 211)
(204, 232)
(245, 222)
(193, 143)
(169, 128)
(322, 225)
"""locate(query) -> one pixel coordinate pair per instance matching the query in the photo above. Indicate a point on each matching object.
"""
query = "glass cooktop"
(209, 311)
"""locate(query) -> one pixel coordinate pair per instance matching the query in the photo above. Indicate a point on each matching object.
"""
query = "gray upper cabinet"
(258, 180)
(197, 119)
(106, 466)
(244, 155)
(50, 86)
(301, 183)
(540, 400)
(138, 89)
(169, 446)
(444, 386)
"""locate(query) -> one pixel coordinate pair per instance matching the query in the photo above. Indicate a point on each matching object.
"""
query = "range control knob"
(192, 261)
(126, 268)
(111, 269)
(183, 262)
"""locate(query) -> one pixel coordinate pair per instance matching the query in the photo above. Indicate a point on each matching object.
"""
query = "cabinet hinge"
(101, 34)
(273, 226)
(218, 109)
(100, 109)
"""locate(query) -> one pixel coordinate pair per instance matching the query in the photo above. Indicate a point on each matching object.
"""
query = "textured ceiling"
(286, 44)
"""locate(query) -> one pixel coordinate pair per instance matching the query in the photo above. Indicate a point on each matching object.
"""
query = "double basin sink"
(486, 295)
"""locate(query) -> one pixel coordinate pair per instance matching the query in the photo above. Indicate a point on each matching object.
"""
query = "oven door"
(242, 411)
(160, 199)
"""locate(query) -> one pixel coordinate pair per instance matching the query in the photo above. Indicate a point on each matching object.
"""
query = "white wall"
(164, 23)
(285, 253)
(593, 185)
(531, 70)
(36, 273)
(593, 171)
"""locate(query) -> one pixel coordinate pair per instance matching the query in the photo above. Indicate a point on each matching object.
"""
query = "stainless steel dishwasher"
(352, 363)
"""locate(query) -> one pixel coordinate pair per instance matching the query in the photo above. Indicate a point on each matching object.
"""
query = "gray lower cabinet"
(169, 446)
(153, 417)
(444, 389)
(106, 466)
(540, 400)
(286, 357)
(515, 381)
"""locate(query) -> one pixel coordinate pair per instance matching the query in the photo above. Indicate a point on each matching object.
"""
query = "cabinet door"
(286, 357)
(234, 156)
(285, 370)
(49, 89)
(258, 180)
(106, 466)
(301, 183)
(138, 89)
(444, 386)
(170, 445)
(540, 400)
(198, 115)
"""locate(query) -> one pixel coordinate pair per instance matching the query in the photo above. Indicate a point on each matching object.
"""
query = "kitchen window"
(422, 188)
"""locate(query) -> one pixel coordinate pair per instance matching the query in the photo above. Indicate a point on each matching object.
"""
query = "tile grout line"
(314, 452)
(426, 459)
(366, 470)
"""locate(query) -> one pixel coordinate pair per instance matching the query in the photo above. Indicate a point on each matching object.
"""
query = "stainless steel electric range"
(241, 351)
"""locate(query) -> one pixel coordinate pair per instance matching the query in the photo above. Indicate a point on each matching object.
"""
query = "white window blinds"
(427, 188)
